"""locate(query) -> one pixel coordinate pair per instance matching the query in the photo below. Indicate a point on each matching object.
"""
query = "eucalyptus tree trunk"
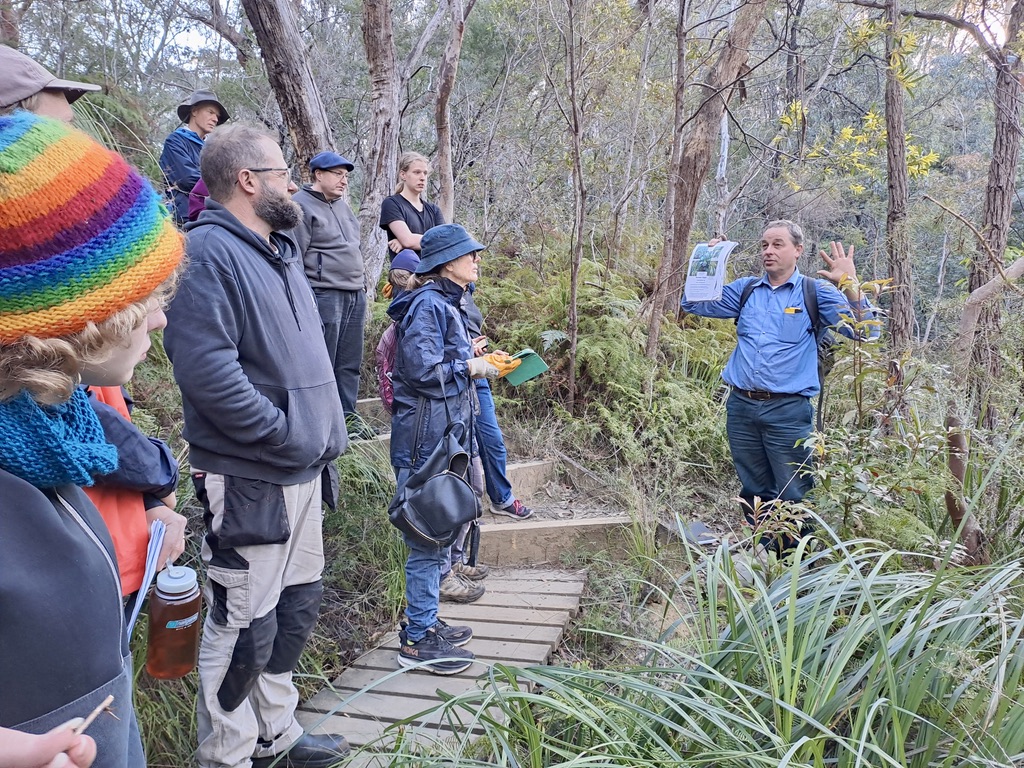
(901, 314)
(381, 160)
(998, 207)
(388, 78)
(297, 94)
(678, 119)
(691, 163)
(442, 112)
(574, 116)
(897, 231)
(976, 353)
(10, 21)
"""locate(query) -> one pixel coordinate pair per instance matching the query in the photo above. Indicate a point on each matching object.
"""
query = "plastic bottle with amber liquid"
(173, 644)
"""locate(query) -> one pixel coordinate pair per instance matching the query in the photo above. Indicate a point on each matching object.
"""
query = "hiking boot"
(471, 572)
(310, 751)
(455, 589)
(457, 635)
(514, 508)
(444, 658)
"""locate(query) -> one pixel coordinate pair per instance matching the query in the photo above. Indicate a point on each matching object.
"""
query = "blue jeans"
(343, 314)
(763, 436)
(422, 579)
(492, 447)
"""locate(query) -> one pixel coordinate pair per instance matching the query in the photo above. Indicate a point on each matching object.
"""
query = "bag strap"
(811, 305)
(447, 409)
(747, 290)
(471, 546)
(440, 383)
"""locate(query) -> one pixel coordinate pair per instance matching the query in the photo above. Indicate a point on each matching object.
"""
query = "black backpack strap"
(811, 305)
(744, 295)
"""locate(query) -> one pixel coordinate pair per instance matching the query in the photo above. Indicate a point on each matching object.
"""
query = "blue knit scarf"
(54, 445)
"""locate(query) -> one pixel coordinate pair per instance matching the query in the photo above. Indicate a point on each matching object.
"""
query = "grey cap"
(201, 97)
(24, 77)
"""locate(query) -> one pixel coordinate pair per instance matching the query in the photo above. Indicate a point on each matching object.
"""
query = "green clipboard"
(531, 367)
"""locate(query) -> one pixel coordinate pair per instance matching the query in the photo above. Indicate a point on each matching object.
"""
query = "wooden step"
(526, 477)
(540, 542)
(518, 622)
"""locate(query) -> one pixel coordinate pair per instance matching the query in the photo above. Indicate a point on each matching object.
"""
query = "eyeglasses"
(282, 173)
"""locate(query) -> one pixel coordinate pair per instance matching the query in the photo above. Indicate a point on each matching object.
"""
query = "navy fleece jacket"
(245, 338)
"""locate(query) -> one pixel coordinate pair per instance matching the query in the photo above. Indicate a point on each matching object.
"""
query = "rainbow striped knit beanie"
(82, 234)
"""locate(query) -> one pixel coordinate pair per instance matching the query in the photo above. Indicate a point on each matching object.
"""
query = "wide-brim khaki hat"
(201, 97)
(23, 77)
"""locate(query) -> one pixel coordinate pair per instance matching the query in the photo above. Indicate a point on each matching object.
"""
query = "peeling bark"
(297, 93)
(690, 166)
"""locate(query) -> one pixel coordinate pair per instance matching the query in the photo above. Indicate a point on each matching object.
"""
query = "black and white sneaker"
(436, 654)
(457, 635)
(514, 508)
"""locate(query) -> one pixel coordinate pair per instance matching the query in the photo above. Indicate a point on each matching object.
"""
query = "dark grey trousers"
(343, 314)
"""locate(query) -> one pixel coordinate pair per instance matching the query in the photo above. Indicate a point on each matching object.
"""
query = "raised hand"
(841, 269)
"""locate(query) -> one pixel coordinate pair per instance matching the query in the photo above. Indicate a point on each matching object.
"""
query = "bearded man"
(264, 422)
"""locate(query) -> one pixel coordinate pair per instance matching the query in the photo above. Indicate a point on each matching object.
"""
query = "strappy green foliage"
(847, 663)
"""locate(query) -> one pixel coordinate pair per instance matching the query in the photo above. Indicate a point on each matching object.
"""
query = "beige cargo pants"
(262, 602)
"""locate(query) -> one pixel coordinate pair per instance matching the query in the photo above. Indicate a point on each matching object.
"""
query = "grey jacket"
(328, 239)
(245, 338)
(61, 618)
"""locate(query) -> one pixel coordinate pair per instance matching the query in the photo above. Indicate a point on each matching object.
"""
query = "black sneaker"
(457, 635)
(444, 658)
(310, 751)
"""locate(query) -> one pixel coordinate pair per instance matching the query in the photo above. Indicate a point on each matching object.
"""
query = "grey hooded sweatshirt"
(247, 345)
(328, 239)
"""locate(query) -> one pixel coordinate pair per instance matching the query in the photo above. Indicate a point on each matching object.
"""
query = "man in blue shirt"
(773, 371)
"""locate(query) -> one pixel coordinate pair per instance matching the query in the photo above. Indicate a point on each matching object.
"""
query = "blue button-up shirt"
(775, 350)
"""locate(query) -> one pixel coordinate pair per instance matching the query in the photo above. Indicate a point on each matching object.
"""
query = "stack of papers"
(156, 543)
(706, 273)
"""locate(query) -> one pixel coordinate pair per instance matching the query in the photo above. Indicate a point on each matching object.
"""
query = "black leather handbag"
(438, 499)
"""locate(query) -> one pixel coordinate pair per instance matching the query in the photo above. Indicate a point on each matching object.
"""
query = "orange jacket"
(122, 510)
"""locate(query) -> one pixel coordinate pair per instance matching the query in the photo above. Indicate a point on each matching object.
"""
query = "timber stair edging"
(518, 622)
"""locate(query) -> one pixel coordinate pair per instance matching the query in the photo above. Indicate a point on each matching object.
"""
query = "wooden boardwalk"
(518, 622)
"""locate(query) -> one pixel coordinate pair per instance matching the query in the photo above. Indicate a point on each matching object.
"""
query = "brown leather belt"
(760, 394)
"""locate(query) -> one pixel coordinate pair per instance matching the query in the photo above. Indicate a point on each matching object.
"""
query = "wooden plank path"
(518, 622)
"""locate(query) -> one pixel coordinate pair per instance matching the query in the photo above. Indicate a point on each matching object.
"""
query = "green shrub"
(850, 662)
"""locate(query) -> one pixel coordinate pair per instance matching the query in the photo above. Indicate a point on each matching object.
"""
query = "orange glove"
(504, 363)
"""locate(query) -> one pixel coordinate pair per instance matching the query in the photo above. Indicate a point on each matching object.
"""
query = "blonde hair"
(405, 163)
(50, 369)
(29, 104)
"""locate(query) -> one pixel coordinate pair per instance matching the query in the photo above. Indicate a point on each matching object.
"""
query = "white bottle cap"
(176, 580)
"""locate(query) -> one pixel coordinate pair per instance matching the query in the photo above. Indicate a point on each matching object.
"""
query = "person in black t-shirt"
(405, 215)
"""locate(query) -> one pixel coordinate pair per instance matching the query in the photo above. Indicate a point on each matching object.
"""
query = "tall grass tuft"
(846, 660)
